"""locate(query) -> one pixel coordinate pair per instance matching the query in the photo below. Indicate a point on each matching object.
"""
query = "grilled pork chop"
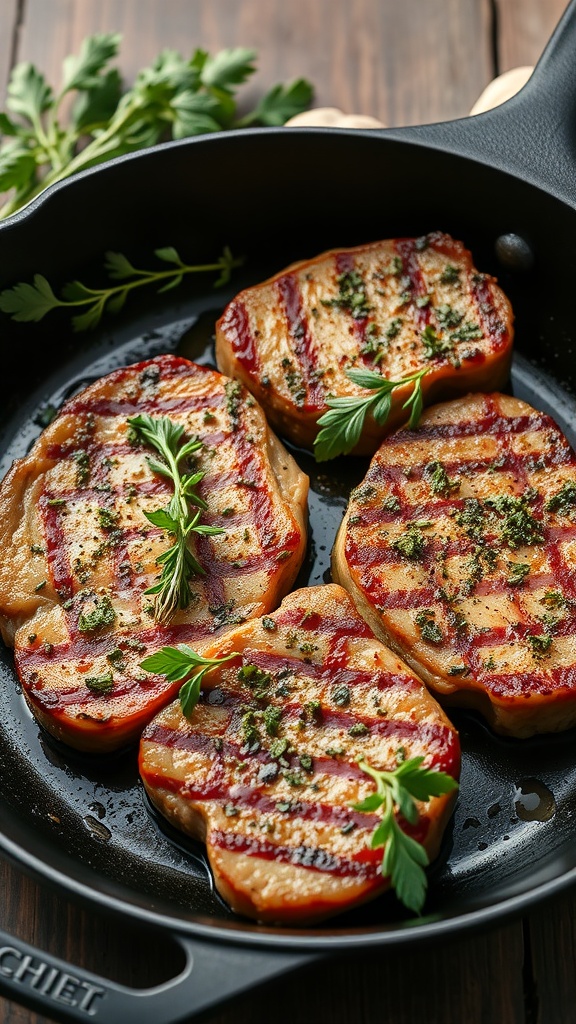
(78, 553)
(459, 550)
(266, 769)
(396, 306)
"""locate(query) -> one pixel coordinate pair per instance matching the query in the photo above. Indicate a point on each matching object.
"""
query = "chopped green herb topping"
(82, 460)
(450, 274)
(467, 332)
(554, 599)
(448, 317)
(358, 729)
(102, 614)
(278, 748)
(429, 629)
(257, 679)
(439, 481)
(518, 573)
(433, 345)
(250, 733)
(352, 295)
(391, 504)
(518, 526)
(117, 658)
(540, 645)
(411, 544)
(100, 684)
(340, 695)
(272, 716)
(107, 519)
(564, 501)
(472, 518)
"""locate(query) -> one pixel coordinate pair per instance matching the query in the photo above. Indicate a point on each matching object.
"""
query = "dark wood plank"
(524, 27)
(552, 951)
(9, 22)
(403, 63)
(476, 979)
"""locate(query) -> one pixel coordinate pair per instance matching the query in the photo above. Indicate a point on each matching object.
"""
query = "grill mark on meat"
(490, 322)
(236, 323)
(252, 799)
(496, 426)
(365, 866)
(56, 550)
(300, 337)
(80, 647)
(405, 248)
(345, 264)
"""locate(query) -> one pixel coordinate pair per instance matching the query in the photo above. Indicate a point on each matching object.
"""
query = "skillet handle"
(213, 973)
(533, 134)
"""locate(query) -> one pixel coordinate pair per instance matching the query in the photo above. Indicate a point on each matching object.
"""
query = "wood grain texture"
(552, 940)
(9, 27)
(403, 63)
(524, 27)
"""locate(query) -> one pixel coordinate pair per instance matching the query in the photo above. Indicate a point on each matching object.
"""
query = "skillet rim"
(237, 932)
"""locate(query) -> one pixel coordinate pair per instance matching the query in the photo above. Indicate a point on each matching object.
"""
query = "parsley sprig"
(178, 563)
(173, 98)
(342, 425)
(25, 302)
(404, 859)
(182, 662)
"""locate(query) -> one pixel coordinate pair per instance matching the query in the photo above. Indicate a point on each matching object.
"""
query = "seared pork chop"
(266, 769)
(459, 550)
(397, 306)
(78, 553)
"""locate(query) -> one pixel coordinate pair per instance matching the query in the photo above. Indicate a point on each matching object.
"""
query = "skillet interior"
(274, 202)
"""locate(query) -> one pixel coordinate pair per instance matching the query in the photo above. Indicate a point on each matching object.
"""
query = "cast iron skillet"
(275, 196)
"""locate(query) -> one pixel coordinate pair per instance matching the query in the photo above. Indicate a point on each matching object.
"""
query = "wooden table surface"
(403, 62)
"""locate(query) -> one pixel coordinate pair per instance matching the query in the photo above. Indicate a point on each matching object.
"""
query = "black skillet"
(505, 183)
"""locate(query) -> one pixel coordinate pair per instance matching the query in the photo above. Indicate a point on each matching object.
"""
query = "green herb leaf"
(27, 302)
(95, 52)
(29, 94)
(280, 104)
(32, 302)
(17, 165)
(178, 564)
(177, 663)
(95, 106)
(404, 859)
(342, 425)
(228, 68)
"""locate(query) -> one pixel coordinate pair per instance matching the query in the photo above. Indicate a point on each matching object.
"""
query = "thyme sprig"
(182, 662)
(178, 564)
(342, 425)
(404, 859)
(25, 302)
